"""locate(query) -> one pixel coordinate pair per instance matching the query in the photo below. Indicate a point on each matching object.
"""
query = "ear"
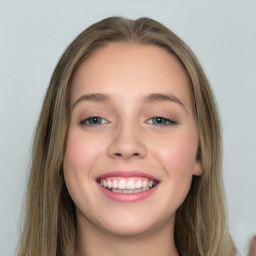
(197, 168)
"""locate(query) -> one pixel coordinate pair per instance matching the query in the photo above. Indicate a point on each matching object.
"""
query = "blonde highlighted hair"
(50, 224)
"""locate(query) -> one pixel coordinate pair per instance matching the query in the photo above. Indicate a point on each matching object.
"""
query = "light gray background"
(33, 34)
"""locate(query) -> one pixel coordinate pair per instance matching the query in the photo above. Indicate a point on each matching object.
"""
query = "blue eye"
(158, 120)
(94, 120)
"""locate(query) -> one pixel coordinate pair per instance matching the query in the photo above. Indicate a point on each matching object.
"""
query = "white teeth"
(138, 184)
(129, 191)
(122, 184)
(115, 184)
(109, 183)
(144, 183)
(130, 184)
(127, 185)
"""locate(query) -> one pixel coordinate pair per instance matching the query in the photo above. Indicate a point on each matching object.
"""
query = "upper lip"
(127, 174)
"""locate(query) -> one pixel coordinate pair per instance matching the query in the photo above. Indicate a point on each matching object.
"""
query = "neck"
(93, 241)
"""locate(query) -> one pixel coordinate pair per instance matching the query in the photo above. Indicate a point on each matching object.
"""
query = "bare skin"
(156, 242)
(130, 110)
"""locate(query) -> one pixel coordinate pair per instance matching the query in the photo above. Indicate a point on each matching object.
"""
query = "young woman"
(127, 152)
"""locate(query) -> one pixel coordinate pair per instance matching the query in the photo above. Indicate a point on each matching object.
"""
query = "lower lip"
(127, 197)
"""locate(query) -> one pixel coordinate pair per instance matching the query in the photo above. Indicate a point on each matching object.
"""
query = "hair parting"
(50, 224)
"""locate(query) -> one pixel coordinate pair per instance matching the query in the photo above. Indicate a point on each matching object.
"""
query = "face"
(132, 141)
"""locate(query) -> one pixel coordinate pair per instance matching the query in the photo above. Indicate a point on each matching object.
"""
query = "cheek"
(177, 157)
(178, 153)
(81, 152)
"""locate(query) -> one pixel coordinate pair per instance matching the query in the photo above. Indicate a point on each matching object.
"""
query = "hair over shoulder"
(50, 226)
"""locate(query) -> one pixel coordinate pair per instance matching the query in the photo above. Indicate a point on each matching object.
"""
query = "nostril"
(120, 155)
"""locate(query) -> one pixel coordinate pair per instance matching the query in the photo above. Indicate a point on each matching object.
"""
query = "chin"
(128, 231)
(133, 225)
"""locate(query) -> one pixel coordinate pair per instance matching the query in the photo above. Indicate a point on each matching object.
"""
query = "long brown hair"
(50, 225)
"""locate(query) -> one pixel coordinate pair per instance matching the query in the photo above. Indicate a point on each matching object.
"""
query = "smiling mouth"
(127, 185)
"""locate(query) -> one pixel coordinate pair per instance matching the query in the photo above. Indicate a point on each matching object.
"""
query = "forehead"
(130, 69)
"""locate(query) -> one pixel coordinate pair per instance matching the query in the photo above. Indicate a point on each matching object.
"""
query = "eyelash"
(92, 118)
(92, 121)
(162, 119)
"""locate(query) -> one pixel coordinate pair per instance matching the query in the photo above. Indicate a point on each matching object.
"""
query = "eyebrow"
(96, 97)
(164, 97)
(154, 97)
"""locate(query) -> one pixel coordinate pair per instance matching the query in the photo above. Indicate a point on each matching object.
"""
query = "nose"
(127, 143)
